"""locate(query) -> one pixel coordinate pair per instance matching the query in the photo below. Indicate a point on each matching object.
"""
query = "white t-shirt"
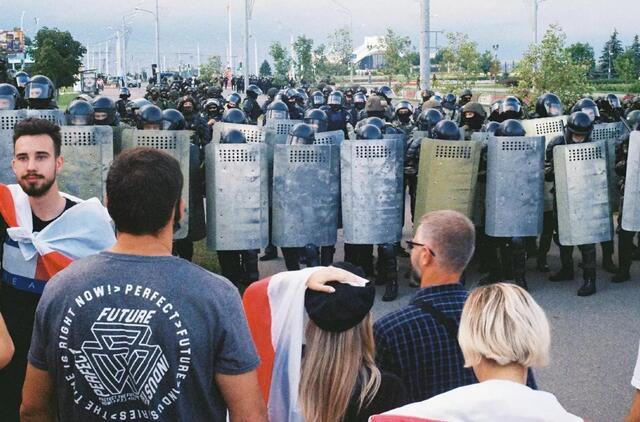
(635, 381)
(494, 400)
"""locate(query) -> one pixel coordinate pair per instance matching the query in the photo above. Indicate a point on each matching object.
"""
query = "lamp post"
(155, 15)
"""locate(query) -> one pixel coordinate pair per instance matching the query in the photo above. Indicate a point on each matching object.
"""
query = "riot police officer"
(403, 118)
(277, 110)
(472, 119)
(446, 130)
(317, 99)
(578, 130)
(194, 121)
(510, 108)
(172, 119)
(450, 107)
(465, 97)
(121, 104)
(233, 101)
(338, 116)
(271, 96)
(250, 104)
(387, 95)
(235, 116)
(359, 101)
(625, 238)
(317, 119)
(548, 105)
(79, 113)
(105, 111)
(150, 118)
(39, 93)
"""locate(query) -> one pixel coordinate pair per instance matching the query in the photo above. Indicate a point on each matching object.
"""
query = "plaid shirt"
(413, 345)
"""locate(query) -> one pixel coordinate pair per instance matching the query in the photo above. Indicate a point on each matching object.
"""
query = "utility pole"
(230, 55)
(536, 3)
(198, 56)
(245, 65)
(106, 57)
(425, 44)
(157, 37)
(124, 51)
(255, 56)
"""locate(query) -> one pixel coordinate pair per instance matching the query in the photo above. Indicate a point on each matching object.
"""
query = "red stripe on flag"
(51, 264)
(258, 311)
(7, 208)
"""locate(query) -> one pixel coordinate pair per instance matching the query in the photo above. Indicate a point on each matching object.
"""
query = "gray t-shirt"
(129, 337)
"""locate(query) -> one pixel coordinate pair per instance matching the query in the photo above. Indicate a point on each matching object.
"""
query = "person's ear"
(59, 163)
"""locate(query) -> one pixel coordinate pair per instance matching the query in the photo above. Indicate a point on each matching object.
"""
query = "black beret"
(341, 310)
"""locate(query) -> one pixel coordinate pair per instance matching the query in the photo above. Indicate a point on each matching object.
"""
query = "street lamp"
(347, 11)
(157, 36)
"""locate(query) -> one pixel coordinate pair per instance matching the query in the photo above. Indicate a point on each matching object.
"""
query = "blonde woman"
(340, 380)
(503, 332)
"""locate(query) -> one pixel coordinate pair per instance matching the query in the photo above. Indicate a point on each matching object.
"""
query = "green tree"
(57, 55)
(211, 68)
(397, 57)
(489, 65)
(303, 63)
(281, 61)
(548, 66)
(582, 53)
(635, 47)
(338, 50)
(265, 68)
(612, 50)
(626, 66)
(462, 57)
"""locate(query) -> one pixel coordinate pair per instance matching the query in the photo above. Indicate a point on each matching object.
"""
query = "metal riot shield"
(482, 137)
(549, 127)
(237, 196)
(306, 195)
(254, 134)
(606, 131)
(280, 129)
(515, 183)
(54, 116)
(88, 153)
(334, 137)
(419, 134)
(631, 202)
(9, 118)
(447, 176)
(174, 142)
(372, 191)
(7, 176)
(582, 193)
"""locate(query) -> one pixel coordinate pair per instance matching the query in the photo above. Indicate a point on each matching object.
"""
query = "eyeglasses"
(411, 244)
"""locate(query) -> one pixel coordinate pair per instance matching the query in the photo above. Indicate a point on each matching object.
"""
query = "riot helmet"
(426, 95)
(376, 121)
(494, 111)
(85, 97)
(369, 131)
(253, 91)
(317, 99)
(446, 130)
(511, 128)
(8, 97)
(633, 119)
(233, 136)
(150, 118)
(172, 119)
(449, 102)
(212, 107)
(359, 101)
(387, 93)
(317, 119)
(79, 113)
(511, 108)
(588, 106)
(277, 110)
(187, 105)
(22, 78)
(548, 105)
(336, 99)
(39, 91)
(105, 110)
(272, 92)
(465, 97)
(473, 116)
(233, 100)
(579, 126)
(389, 129)
(404, 111)
(301, 134)
(234, 115)
(374, 107)
(428, 119)
(124, 93)
(491, 127)
(362, 90)
(326, 90)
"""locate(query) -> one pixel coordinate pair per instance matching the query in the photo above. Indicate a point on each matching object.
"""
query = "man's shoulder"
(400, 320)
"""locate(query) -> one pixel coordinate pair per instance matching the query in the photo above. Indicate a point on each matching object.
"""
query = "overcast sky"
(183, 23)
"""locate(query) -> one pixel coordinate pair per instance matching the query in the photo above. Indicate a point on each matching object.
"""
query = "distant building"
(12, 41)
(370, 55)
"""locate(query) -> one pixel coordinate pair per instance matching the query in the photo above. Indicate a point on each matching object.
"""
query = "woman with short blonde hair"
(503, 332)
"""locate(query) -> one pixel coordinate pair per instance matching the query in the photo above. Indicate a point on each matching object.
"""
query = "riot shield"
(7, 176)
(237, 196)
(306, 195)
(254, 134)
(447, 176)
(549, 127)
(175, 143)
(9, 118)
(88, 153)
(515, 183)
(334, 137)
(631, 203)
(582, 193)
(606, 131)
(280, 130)
(372, 191)
(482, 137)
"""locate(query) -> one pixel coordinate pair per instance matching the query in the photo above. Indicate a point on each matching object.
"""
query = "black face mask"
(404, 117)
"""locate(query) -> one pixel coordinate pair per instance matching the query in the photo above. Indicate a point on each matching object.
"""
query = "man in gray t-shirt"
(135, 333)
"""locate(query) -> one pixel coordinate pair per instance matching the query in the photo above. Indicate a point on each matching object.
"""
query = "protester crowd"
(106, 318)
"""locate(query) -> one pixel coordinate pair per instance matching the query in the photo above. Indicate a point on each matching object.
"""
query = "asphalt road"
(594, 339)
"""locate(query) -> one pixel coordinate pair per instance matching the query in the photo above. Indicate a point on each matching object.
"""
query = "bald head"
(452, 237)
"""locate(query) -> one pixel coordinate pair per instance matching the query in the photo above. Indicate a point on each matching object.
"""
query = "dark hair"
(36, 126)
(144, 186)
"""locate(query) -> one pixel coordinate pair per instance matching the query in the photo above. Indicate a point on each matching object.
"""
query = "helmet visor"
(38, 91)
(7, 102)
(80, 120)
(592, 112)
(22, 80)
(277, 115)
(553, 109)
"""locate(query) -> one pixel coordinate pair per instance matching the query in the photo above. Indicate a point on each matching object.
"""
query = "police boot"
(607, 257)
(566, 271)
(388, 268)
(542, 265)
(621, 276)
(270, 252)
(589, 286)
(311, 254)
(250, 265)
(326, 255)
